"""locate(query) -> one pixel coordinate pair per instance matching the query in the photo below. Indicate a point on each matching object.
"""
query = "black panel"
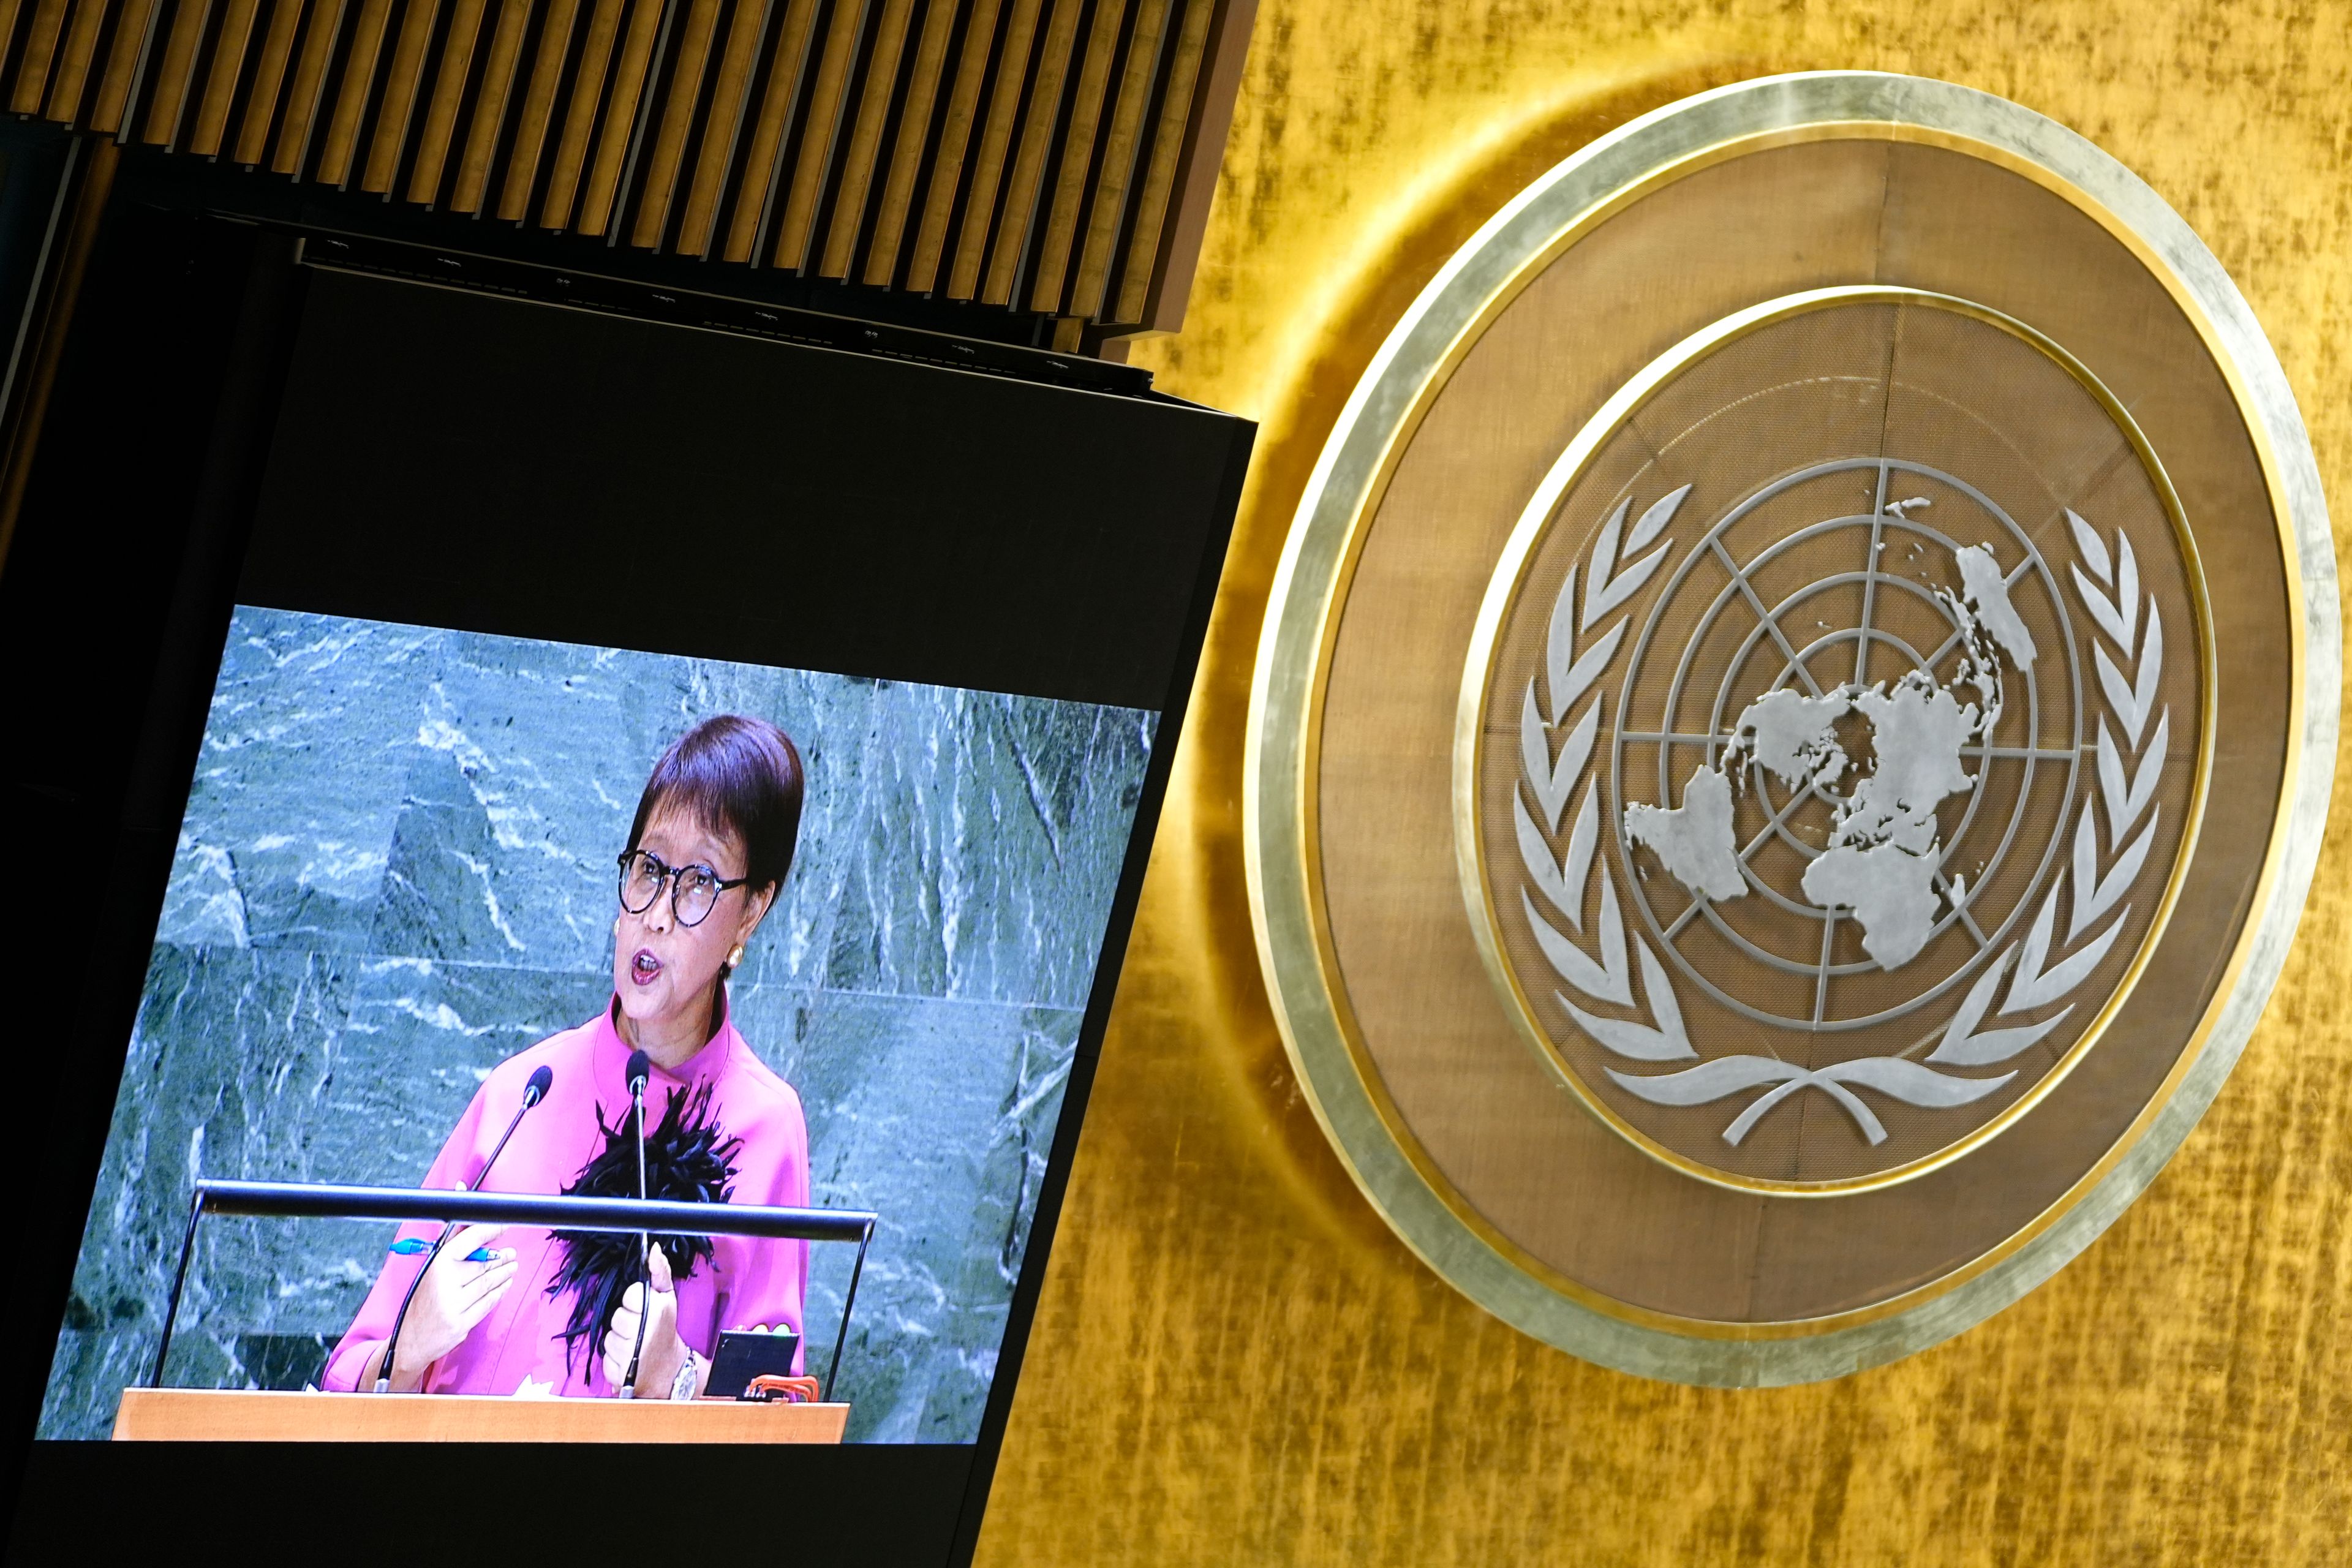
(364, 447)
(525, 1503)
(457, 460)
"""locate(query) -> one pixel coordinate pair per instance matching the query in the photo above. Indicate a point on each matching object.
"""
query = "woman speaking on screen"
(509, 1311)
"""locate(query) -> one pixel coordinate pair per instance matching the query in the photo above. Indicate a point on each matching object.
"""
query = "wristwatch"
(688, 1379)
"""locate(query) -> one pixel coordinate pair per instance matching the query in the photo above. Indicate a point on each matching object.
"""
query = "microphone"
(640, 1068)
(534, 1091)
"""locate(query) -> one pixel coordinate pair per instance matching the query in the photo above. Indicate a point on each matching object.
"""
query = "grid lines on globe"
(1848, 632)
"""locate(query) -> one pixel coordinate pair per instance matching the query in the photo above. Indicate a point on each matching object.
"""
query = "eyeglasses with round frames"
(693, 890)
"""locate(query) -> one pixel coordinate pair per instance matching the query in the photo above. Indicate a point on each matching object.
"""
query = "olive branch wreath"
(2111, 594)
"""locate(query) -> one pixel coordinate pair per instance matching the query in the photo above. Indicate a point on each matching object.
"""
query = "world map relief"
(1884, 851)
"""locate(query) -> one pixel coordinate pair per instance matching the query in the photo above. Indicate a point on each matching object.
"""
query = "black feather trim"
(690, 1158)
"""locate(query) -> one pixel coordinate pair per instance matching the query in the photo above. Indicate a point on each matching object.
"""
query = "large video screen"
(868, 916)
(483, 706)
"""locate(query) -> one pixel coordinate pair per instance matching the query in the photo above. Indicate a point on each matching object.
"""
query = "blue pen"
(410, 1245)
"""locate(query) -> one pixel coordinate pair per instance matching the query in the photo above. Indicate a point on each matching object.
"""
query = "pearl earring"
(735, 959)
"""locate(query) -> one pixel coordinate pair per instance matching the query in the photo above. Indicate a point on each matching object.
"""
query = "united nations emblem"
(1792, 728)
(1864, 776)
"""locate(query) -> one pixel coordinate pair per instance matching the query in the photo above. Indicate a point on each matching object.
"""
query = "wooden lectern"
(228, 1414)
(156, 1413)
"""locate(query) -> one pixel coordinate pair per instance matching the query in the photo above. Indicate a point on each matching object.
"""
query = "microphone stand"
(533, 1092)
(638, 1070)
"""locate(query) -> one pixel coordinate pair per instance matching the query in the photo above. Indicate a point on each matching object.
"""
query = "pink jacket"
(520, 1347)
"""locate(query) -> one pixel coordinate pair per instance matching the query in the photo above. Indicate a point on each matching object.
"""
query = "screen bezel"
(233, 317)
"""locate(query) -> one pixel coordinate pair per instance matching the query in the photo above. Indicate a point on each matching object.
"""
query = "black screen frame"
(160, 438)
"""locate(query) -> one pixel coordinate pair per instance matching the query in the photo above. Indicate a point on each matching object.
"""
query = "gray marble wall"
(396, 869)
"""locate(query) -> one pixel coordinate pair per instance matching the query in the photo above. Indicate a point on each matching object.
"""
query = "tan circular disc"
(1856, 762)
(1728, 829)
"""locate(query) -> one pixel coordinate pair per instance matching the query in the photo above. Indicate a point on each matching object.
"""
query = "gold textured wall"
(1235, 1361)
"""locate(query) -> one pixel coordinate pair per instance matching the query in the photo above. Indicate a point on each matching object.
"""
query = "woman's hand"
(454, 1296)
(665, 1352)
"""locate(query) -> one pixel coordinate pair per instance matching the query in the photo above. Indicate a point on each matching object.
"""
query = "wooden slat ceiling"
(1024, 153)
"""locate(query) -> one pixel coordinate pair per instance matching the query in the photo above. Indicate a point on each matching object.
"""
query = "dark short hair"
(733, 775)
